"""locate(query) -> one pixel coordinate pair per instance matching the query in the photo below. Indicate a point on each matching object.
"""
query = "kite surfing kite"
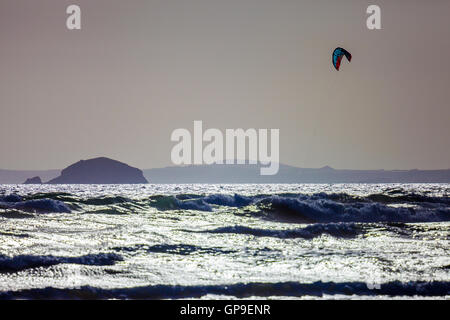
(338, 53)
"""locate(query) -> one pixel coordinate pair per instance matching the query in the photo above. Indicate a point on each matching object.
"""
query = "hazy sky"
(140, 69)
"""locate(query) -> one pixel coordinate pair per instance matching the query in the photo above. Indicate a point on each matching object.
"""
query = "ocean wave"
(38, 205)
(198, 205)
(384, 198)
(323, 210)
(165, 203)
(43, 205)
(288, 207)
(340, 230)
(320, 207)
(407, 198)
(178, 249)
(10, 198)
(239, 290)
(102, 201)
(235, 200)
(62, 196)
(23, 262)
(15, 214)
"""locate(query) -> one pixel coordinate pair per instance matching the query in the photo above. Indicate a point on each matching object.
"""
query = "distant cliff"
(34, 180)
(99, 171)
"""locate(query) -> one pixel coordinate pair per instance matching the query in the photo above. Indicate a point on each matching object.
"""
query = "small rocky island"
(34, 180)
(100, 171)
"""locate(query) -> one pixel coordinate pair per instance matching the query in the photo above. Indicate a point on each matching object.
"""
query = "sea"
(199, 241)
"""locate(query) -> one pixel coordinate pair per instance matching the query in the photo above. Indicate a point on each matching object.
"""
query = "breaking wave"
(179, 249)
(303, 208)
(38, 205)
(339, 230)
(324, 210)
(239, 290)
(23, 262)
(319, 208)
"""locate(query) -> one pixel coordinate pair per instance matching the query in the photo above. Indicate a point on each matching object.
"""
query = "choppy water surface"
(225, 241)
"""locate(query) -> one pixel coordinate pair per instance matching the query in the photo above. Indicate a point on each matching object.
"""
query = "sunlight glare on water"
(273, 241)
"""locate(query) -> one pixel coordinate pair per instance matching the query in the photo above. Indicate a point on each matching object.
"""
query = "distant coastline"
(229, 174)
(288, 174)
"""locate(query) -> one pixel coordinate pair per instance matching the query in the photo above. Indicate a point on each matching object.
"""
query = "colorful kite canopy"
(338, 53)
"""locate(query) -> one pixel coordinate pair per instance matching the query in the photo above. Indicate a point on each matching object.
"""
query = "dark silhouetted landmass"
(106, 171)
(34, 180)
(288, 174)
(99, 171)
